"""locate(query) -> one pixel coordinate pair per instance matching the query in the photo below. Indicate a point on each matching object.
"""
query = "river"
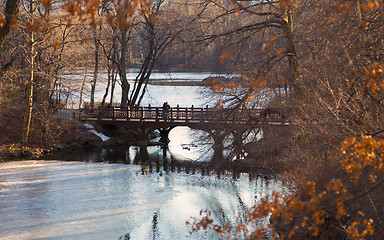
(49, 199)
(126, 192)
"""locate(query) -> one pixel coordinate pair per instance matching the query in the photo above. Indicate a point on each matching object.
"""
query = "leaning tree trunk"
(106, 88)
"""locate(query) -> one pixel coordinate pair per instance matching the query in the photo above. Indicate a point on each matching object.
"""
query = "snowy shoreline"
(91, 129)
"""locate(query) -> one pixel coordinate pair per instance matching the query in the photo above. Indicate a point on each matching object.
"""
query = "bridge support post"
(237, 143)
(218, 156)
(218, 146)
(142, 157)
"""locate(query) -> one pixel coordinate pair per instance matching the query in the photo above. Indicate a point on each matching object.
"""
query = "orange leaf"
(223, 57)
(47, 36)
(14, 23)
(261, 81)
(231, 85)
(69, 23)
(272, 39)
(2, 20)
(47, 4)
(56, 44)
(280, 52)
(299, 69)
(253, 85)
(219, 104)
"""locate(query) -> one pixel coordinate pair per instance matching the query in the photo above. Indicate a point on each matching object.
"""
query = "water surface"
(88, 200)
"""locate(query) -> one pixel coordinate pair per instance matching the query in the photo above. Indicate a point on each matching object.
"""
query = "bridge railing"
(152, 113)
(181, 114)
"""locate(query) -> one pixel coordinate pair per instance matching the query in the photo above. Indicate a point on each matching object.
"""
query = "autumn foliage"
(294, 215)
(339, 121)
(364, 154)
(332, 65)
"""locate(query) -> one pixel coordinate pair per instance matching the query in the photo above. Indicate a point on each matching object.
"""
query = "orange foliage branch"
(364, 153)
(294, 213)
(373, 78)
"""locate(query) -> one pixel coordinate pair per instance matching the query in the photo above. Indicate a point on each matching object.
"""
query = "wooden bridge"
(143, 120)
(181, 116)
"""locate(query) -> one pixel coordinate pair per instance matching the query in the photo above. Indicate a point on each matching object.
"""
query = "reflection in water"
(144, 194)
(155, 234)
(152, 159)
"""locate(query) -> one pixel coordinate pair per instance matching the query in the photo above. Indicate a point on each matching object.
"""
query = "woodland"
(328, 56)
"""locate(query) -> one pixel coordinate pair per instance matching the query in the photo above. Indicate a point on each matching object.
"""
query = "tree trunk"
(107, 88)
(112, 88)
(292, 55)
(96, 69)
(82, 88)
(123, 72)
(31, 82)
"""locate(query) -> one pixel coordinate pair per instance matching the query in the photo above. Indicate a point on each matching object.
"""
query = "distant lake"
(175, 87)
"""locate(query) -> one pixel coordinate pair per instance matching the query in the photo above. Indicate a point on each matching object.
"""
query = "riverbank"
(19, 151)
(71, 135)
(77, 136)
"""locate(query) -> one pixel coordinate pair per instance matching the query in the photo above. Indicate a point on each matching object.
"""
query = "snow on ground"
(92, 130)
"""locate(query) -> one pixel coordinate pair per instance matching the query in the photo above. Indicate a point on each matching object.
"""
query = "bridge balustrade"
(182, 114)
(153, 114)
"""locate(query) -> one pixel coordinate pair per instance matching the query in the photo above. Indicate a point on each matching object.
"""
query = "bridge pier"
(237, 143)
(142, 133)
(141, 155)
(223, 139)
(218, 145)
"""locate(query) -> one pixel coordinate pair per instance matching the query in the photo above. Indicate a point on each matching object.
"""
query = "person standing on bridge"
(166, 109)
